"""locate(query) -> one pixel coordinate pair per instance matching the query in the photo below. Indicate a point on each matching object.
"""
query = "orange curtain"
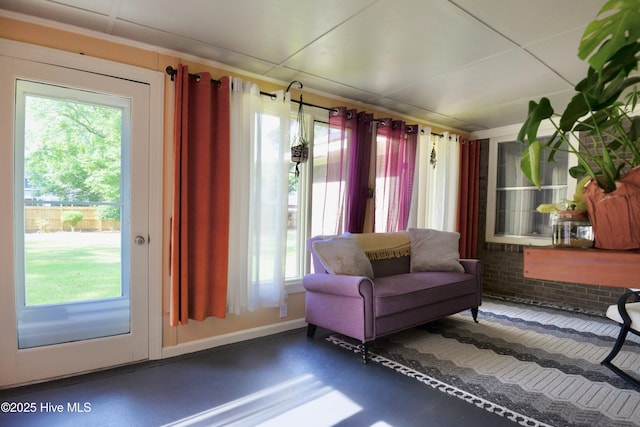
(200, 213)
(468, 197)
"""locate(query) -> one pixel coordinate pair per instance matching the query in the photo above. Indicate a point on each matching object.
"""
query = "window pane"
(329, 173)
(294, 236)
(517, 199)
(509, 173)
(72, 191)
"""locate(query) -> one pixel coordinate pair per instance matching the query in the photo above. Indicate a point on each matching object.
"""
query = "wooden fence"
(44, 219)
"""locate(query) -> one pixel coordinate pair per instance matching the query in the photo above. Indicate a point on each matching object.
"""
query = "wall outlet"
(283, 310)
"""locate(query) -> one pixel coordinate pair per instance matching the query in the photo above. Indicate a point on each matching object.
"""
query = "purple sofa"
(393, 299)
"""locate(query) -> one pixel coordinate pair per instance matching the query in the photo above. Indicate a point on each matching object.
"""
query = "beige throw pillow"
(343, 255)
(434, 250)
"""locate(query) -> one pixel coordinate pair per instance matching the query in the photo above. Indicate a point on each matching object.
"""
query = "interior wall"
(85, 43)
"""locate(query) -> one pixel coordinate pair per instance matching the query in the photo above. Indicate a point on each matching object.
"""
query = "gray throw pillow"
(434, 250)
(343, 255)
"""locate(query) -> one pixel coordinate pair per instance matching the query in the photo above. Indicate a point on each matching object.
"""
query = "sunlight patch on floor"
(300, 401)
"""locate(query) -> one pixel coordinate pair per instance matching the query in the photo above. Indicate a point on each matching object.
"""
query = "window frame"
(509, 134)
(303, 217)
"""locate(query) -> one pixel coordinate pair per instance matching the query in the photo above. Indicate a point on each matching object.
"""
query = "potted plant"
(571, 227)
(599, 117)
(577, 203)
(300, 142)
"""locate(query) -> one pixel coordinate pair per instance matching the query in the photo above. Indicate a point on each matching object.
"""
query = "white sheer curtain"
(259, 191)
(420, 196)
(435, 197)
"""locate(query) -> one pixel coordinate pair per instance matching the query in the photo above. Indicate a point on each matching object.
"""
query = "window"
(327, 182)
(512, 199)
(299, 205)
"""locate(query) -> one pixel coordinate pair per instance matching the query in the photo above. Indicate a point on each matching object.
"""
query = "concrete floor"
(281, 380)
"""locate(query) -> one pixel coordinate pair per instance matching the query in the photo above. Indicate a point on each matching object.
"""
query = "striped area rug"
(536, 365)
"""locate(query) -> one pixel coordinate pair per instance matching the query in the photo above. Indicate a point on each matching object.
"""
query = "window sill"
(294, 286)
(520, 240)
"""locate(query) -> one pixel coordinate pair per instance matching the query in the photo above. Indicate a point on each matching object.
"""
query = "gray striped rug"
(535, 365)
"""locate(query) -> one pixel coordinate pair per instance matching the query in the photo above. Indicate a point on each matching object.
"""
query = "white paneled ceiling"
(465, 64)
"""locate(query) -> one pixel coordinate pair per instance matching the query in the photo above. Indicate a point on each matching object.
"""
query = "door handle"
(139, 240)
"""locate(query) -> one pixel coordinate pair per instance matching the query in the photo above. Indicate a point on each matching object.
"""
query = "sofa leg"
(364, 351)
(311, 330)
(474, 313)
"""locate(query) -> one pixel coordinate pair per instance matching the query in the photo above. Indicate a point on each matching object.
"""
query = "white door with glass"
(79, 221)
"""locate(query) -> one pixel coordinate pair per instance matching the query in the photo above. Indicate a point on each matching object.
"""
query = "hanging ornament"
(300, 142)
(433, 160)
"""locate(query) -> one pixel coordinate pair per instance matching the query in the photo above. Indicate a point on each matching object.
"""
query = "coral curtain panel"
(200, 211)
(395, 166)
(468, 198)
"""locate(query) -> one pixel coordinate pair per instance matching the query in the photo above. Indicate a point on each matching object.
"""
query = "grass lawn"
(65, 267)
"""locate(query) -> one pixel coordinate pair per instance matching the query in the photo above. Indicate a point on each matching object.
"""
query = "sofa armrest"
(340, 303)
(472, 266)
(336, 284)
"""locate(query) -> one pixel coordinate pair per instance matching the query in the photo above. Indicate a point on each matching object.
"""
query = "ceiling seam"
(330, 30)
(519, 46)
(113, 16)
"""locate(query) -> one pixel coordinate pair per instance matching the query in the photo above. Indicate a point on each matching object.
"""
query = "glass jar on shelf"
(572, 229)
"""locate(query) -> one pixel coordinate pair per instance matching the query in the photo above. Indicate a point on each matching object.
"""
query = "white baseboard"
(207, 343)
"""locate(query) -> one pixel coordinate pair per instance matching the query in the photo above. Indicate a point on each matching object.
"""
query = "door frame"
(155, 80)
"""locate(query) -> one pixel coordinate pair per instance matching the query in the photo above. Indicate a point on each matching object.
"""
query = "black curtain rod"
(333, 110)
(172, 72)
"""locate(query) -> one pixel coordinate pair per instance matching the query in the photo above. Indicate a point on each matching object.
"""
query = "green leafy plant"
(72, 217)
(600, 109)
(576, 203)
(111, 213)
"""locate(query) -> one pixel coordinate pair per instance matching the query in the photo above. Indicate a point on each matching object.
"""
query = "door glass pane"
(72, 201)
(72, 221)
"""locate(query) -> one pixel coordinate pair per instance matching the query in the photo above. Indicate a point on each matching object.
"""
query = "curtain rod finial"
(171, 71)
(300, 85)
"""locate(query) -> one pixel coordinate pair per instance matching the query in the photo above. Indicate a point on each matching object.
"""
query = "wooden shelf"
(619, 269)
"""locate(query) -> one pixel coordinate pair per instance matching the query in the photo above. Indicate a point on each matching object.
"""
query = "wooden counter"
(619, 269)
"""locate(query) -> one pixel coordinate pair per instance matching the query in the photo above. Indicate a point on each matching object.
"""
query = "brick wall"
(503, 265)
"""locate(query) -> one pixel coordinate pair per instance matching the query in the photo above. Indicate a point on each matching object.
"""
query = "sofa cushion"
(343, 255)
(434, 250)
(394, 294)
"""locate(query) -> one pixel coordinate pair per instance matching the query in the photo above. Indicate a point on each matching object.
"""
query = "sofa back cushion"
(342, 255)
(434, 250)
(387, 252)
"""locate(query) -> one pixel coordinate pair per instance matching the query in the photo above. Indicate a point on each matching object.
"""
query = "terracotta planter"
(615, 216)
